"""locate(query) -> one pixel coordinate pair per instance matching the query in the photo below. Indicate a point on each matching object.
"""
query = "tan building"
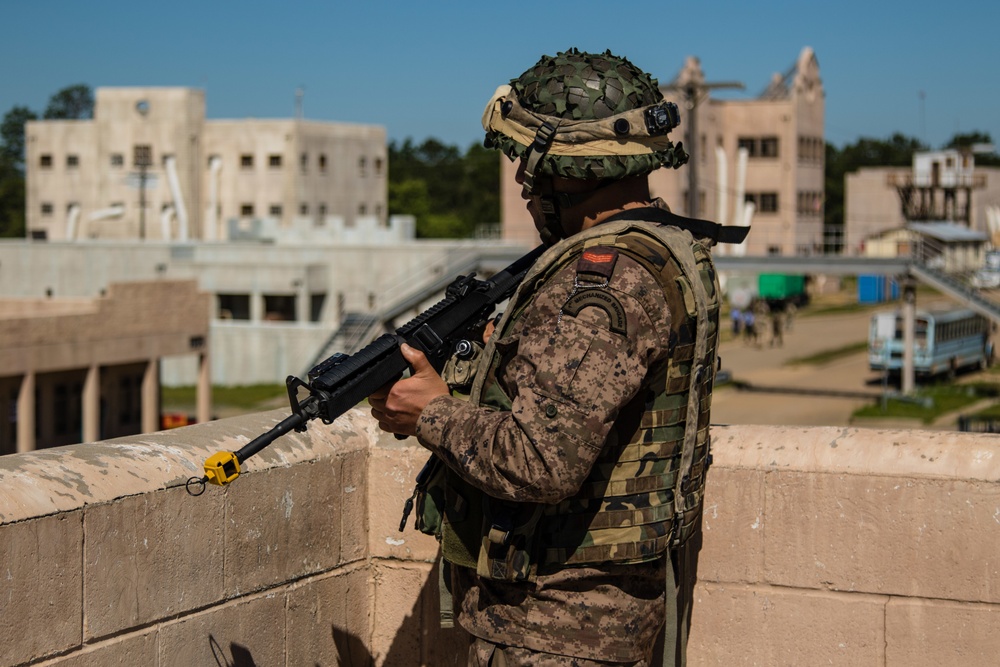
(150, 166)
(777, 135)
(80, 369)
(939, 186)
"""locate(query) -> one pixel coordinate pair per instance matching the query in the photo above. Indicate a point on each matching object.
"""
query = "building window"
(142, 155)
(246, 161)
(275, 210)
(72, 161)
(765, 147)
(304, 161)
(130, 404)
(46, 208)
(234, 307)
(769, 202)
(769, 147)
(378, 166)
(322, 211)
(274, 161)
(246, 210)
(45, 161)
(809, 203)
(811, 149)
(303, 209)
(362, 209)
(322, 162)
(279, 307)
(362, 166)
(117, 160)
(316, 302)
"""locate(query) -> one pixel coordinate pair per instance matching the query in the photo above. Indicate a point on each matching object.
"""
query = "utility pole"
(300, 93)
(694, 90)
(143, 159)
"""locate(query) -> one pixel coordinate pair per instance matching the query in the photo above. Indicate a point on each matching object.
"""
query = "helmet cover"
(609, 117)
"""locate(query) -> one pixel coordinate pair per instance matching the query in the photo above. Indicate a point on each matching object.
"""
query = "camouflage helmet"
(584, 116)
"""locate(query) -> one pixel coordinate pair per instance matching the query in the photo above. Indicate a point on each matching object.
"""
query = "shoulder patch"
(597, 262)
(599, 298)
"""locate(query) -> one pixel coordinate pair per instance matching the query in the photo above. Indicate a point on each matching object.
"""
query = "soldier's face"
(532, 203)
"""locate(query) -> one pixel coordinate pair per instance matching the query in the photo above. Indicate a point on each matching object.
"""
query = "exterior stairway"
(358, 329)
(956, 289)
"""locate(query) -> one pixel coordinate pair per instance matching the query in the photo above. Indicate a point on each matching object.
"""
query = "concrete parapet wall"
(822, 546)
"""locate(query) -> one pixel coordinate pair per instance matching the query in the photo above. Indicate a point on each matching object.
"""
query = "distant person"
(790, 311)
(777, 325)
(749, 327)
(736, 315)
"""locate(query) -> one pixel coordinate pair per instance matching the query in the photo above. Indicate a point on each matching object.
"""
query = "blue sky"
(426, 69)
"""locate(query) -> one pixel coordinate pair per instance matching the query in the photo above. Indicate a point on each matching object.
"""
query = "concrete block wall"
(822, 546)
(845, 546)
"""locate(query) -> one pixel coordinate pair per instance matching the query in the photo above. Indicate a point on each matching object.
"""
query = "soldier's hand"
(397, 406)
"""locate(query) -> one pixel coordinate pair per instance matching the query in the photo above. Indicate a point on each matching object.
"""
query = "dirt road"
(766, 366)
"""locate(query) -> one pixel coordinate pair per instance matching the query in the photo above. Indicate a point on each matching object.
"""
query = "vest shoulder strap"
(698, 228)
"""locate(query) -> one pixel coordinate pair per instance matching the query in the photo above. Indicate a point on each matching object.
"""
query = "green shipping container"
(780, 286)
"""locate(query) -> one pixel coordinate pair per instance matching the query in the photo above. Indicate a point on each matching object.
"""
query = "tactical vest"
(644, 493)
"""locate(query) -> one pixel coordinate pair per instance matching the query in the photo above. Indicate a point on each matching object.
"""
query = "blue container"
(876, 289)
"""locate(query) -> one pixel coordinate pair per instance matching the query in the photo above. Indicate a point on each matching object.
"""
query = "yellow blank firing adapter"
(221, 468)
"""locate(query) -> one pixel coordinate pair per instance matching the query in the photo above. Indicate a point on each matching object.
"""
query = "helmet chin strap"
(551, 203)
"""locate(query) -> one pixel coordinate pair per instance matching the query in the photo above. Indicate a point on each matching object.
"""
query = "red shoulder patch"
(598, 261)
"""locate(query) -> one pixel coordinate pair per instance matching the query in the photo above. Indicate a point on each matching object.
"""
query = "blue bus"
(945, 341)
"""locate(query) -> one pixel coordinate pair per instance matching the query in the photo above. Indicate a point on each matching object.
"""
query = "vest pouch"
(508, 541)
(459, 371)
(462, 523)
(430, 498)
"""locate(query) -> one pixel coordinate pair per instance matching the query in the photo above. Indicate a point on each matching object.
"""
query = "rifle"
(340, 382)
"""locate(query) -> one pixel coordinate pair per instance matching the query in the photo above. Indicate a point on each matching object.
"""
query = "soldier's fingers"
(416, 359)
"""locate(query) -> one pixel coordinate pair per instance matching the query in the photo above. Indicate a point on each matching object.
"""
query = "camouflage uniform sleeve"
(568, 370)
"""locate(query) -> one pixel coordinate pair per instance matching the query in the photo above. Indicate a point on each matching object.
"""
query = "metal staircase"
(358, 329)
(929, 266)
(957, 289)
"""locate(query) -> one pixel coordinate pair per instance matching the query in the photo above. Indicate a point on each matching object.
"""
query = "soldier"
(572, 480)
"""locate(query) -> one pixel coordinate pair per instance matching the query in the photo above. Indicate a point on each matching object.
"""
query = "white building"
(150, 166)
(938, 186)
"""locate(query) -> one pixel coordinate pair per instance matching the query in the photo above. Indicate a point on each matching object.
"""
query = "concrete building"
(84, 369)
(273, 300)
(765, 154)
(151, 166)
(938, 186)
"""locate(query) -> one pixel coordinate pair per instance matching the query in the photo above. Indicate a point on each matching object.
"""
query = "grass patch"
(839, 309)
(245, 397)
(926, 405)
(827, 356)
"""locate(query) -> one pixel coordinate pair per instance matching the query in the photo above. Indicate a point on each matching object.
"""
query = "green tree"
(72, 102)
(449, 193)
(12, 134)
(11, 199)
(970, 139)
(481, 184)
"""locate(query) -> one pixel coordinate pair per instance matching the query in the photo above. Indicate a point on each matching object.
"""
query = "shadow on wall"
(419, 640)
(241, 656)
